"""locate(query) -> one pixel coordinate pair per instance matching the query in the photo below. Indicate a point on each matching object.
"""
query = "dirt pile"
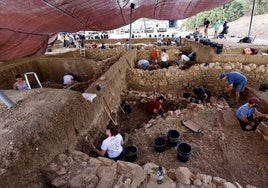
(37, 129)
(220, 150)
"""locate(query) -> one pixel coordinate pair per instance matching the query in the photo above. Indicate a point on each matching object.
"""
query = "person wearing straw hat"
(248, 115)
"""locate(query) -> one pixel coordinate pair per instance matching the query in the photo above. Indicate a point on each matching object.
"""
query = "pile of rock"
(77, 169)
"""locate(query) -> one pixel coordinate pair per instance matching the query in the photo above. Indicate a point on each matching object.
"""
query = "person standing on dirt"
(235, 80)
(164, 59)
(216, 28)
(155, 55)
(248, 115)
(206, 24)
(20, 84)
(112, 145)
(154, 108)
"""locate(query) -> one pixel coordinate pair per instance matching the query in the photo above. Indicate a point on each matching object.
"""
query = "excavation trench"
(41, 127)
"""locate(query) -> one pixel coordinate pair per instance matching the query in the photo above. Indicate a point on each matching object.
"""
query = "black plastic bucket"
(184, 152)
(159, 144)
(130, 153)
(173, 137)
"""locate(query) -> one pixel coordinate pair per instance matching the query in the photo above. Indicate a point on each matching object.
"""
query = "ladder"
(83, 52)
(27, 80)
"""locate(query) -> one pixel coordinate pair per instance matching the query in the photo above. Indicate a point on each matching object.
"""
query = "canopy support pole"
(132, 5)
(6, 100)
(251, 18)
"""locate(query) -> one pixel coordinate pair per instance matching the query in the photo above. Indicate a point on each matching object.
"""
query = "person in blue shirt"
(236, 81)
(248, 115)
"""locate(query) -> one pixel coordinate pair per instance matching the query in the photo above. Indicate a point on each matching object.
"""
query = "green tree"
(231, 11)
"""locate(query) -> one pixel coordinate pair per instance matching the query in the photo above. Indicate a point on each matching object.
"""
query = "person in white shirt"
(164, 59)
(159, 40)
(112, 145)
(185, 58)
(68, 79)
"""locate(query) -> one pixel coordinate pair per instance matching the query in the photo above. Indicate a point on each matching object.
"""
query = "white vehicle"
(149, 28)
(162, 28)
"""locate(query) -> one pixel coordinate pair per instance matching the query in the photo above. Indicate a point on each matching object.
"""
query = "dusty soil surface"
(222, 149)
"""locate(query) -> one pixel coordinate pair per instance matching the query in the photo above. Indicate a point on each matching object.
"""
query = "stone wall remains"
(174, 79)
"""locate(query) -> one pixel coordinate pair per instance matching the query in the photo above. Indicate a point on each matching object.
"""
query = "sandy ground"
(222, 149)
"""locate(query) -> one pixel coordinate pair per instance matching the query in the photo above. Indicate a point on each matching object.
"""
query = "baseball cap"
(222, 75)
(254, 100)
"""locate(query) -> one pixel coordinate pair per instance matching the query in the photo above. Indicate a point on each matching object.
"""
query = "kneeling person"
(248, 116)
(111, 146)
(143, 64)
(155, 108)
(202, 94)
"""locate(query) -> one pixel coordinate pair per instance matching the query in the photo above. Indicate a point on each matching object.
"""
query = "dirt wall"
(41, 126)
(53, 69)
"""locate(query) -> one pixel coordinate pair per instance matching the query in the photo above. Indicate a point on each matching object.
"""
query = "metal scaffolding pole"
(6, 100)
(132, 5)
(251, 18)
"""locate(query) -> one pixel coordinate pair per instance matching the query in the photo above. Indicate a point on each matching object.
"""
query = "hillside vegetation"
(231, 11)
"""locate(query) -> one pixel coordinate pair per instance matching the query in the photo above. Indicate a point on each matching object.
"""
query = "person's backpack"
(263, 87)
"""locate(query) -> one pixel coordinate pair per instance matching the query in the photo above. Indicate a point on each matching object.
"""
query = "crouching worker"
(184, 58)
(143, 64)
(248, 116)
(111, 147)
(154, 108)
(202, 94)
(68, 79)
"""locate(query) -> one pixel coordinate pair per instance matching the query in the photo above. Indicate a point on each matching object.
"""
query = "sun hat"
(222, 75)
(254, 100)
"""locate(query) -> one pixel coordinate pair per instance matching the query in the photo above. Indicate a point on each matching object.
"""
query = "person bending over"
(20, 84)
(202, 94)
(154, 108)
(184, 58)
(111, 147)
(143, 64)
(235, 80)
(68, 79)
(248, 115)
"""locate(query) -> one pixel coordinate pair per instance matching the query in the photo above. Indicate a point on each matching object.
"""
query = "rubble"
(101, 172)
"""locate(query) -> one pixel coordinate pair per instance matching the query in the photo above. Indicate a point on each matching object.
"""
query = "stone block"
(205, 178)
(106, 161)
(238, 185)
(218, 180)
(60, 181)
(107, 176)
(139, 176)
(183, 175)
(82, 180)
(167, 182)
(228, 185)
